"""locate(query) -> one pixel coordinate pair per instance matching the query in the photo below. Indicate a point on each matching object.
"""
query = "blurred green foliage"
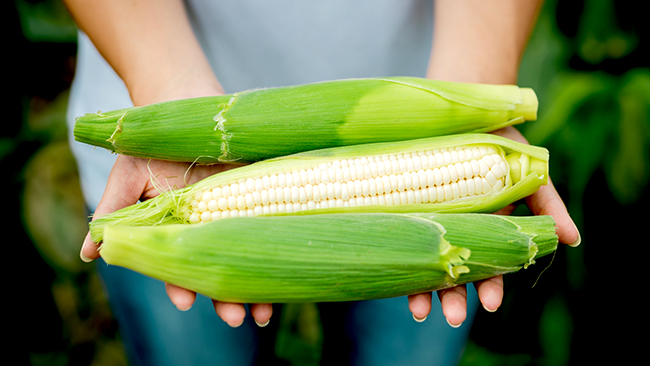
(586, 60)
(604, 120)
(62, 316)
(46, 21)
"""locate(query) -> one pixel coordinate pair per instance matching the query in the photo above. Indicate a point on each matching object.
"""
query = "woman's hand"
(483, 42)
(152, 47)
(131, 179)
(546, 201)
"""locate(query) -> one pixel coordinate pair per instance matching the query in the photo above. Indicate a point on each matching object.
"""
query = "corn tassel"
(261, 124)
(459, 173)
(331, 257)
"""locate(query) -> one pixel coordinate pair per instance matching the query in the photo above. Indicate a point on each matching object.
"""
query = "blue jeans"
(373, 333)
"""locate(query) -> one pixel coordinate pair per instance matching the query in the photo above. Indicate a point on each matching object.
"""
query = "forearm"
(149, 43)
(480, 41)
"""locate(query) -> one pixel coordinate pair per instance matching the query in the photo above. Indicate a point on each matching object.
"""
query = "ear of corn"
(330, 257)
(459, 173)
(261, 124)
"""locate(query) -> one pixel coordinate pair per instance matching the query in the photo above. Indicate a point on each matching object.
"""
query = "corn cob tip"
(522, 165)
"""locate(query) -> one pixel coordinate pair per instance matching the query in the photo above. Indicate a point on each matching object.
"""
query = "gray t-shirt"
(255, 44)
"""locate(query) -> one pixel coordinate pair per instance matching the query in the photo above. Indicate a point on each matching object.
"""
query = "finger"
(506, 211)
(89, 250)
(454, 305)
(182, 298)
(546, 201)
(420, 306)
(490, 292)
(510, 132)
(231, 313)
(123, 188)
(262, 314)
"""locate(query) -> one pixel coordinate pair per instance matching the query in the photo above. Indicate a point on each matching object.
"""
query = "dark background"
(588, 62)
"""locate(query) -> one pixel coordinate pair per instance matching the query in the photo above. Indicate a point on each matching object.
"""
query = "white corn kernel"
(266, 182)
(286, 194)
(250, 185)
(206, 216)
(241, 202)
(212, 205)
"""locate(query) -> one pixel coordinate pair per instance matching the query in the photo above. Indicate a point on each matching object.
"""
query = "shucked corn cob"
(459, 173)
(267, 123)
(424, 176)
(330, 257)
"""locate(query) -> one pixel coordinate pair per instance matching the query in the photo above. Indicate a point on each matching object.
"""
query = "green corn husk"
(266, 123)
(528, 171)
(331, 257)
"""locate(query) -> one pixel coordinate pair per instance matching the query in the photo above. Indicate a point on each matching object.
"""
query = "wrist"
(480, 41)
(170, 86)
(487, 62)
(483, 73)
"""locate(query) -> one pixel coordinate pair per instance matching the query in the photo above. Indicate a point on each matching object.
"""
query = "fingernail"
(454, 325)
(419, 320)
(490, 310)
(183, 308)
(578, 241)
(83, 257)
(236, 325)
(262, 325)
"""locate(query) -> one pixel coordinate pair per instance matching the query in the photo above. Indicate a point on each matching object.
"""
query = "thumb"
(547, 201)
(124, 187)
